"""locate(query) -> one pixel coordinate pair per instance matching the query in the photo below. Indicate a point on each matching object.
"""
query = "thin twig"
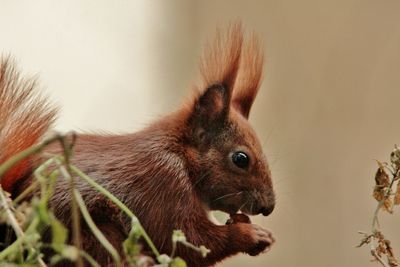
(10, 216)
(76, 227)
(26, 192)
(11, 248)
(96, 232)
(8, 164)
(116, 201)
(375, 226)
(89, 258)
(14, 224)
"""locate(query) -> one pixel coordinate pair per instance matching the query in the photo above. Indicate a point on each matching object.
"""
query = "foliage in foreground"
(29, 219)
(387, 193)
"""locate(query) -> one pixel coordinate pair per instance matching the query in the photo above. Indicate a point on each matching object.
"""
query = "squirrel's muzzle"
(267, 203)
(266, 210)
(260, 203)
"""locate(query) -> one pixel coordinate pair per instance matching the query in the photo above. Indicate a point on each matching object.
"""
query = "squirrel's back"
(25, 117)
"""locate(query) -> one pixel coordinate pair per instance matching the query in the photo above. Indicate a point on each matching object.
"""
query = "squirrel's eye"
(240, 159)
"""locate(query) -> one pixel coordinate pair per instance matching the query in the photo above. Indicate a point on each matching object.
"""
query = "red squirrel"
(204, 156)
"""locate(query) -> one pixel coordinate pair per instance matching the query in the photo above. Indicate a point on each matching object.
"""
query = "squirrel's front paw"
(263, 240)
(255, 238)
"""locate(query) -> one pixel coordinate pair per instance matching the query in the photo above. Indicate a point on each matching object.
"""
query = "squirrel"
(204, 156)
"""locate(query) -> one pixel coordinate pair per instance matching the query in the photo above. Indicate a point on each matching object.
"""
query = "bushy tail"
(25, 117)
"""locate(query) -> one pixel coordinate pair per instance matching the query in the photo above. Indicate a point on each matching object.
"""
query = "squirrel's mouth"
(261, 208)
(250, 204)
(249, 208)
(236, 213)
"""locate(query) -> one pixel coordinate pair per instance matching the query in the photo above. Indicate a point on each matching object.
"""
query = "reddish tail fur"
(25, 117)
(171, 173)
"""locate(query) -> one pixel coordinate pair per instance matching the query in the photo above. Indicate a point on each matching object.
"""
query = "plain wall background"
(328, 107)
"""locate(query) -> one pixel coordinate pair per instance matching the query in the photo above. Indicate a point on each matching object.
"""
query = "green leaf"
(56, 259)
(131, 244)
(178, 262)
(59, 235)
(41, 209)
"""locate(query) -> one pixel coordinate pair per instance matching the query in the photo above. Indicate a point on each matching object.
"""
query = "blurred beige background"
(328, 107)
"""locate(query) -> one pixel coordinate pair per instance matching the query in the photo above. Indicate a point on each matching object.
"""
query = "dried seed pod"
(382, 178)
(388, 205)
(390, 254)
(378, 193)
(395, 156)
(397, 195)
(382, 181)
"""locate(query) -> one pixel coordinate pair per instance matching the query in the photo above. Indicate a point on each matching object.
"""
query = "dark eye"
(240, 159)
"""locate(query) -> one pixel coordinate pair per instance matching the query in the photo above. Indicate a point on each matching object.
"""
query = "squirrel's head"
(231, 172)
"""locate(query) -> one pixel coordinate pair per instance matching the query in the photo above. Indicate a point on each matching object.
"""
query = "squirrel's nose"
(266, 210)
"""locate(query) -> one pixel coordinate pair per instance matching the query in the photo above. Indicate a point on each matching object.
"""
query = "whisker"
(227, 195)
(247, 201)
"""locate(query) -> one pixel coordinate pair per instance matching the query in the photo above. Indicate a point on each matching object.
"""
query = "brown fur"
(25, 117)
(221, 57)
(249, 77)
(175, 170)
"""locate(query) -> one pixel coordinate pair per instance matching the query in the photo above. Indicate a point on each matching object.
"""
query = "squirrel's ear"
(211, 109)
(219, 67)
(249, 76)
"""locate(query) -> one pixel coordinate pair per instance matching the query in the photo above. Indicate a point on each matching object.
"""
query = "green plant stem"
(46, 191)
(66, 171)
(89, 258)
(26, 192)
(97, 233)
(116, 201)
(198, 249)
(11, 248)
(35, 222)
(85, 213)
(19, 241)
(173, 250)
(8, 164)
(74, 209)
(10, 216)
(17, 229)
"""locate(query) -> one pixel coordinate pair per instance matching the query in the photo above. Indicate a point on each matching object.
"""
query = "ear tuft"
(231, 79)
(221, 58)
(249, 76)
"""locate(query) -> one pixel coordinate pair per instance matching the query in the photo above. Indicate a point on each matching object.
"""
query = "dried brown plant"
(385, 178)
